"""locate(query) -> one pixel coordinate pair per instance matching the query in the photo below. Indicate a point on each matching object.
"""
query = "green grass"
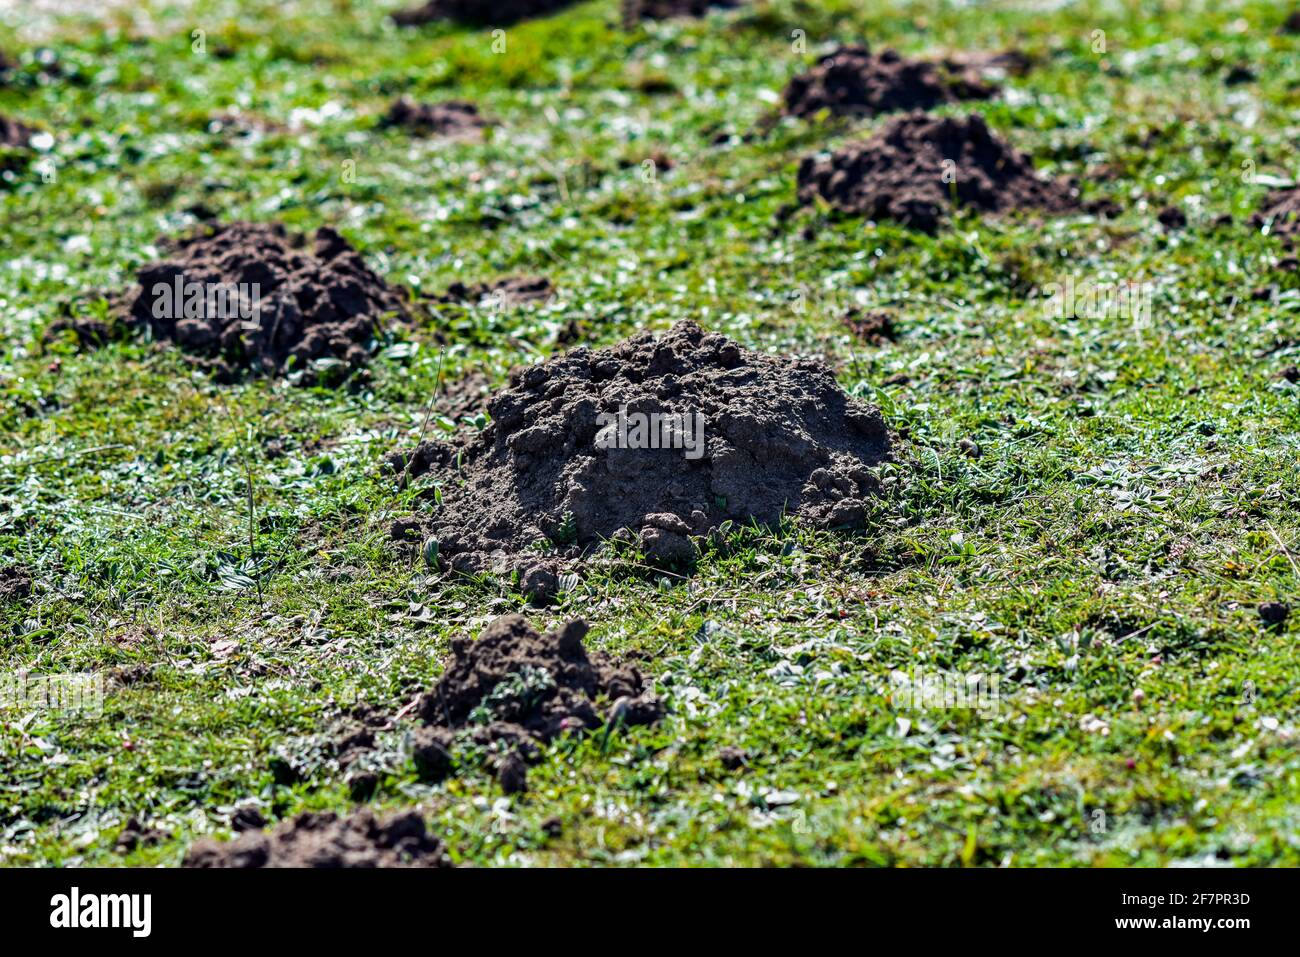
(1135, 500)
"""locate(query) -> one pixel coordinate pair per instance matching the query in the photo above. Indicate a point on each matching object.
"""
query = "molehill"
(853, 81)
(514, 689)
(912, 170)
(267, 302)
(452, 119)
(651, 442)
(327, 840)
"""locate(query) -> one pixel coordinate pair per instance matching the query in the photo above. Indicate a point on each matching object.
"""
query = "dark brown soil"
(1274, 614)
(510, 291)
(326, 840)
(466, 396)
(732, 758)
(1280, 212)
(874, 328)
(14, 135)
(779, 438)
(1171, 218)
(1291, 24)
(634, 10)
(135, 834)
(911, 169)
(1239, 74)
(321, 307)
(15, 584)
(853, 81)
(514, 689)
(478, 12)
(454, 119)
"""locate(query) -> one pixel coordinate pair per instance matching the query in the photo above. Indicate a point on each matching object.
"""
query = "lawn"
(1090, 509)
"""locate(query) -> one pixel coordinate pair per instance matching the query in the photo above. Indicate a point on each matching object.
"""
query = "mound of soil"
(1280, 212)
(510, 291)
(324, 839)
(477, 12)
(318, 308)
(1172, 217)
(565, 457)
(1274, 614)
(853, 81)
(873, 328)
(514, 689)
(135, 834)
(454, 119)
(14, 135)
(15, 584)
(634, 10)
(912, 169)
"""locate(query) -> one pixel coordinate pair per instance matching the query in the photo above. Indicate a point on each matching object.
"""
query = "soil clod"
(14, 135)
(15, 584)
(1280, 213)
(1274, 614)
(634, 10)
(853, 81)
(733, 758)
(477, 12)
(135, 834)
(453, 119)
(498, 293)
(913, 170)
(874, 328)
(327, 840)
(1171, 218)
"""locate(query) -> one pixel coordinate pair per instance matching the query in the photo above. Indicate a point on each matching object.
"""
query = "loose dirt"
(652, 442)
(319, 309)
(912, 169)
(451, 119)
(510, 291)
(326, 840)
(14, 135)
(477, 12)
(874, 328)
(15, 584)
(514, 689)
(634, 10)
(853, 81)
(1280, 213)
(466, 396)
